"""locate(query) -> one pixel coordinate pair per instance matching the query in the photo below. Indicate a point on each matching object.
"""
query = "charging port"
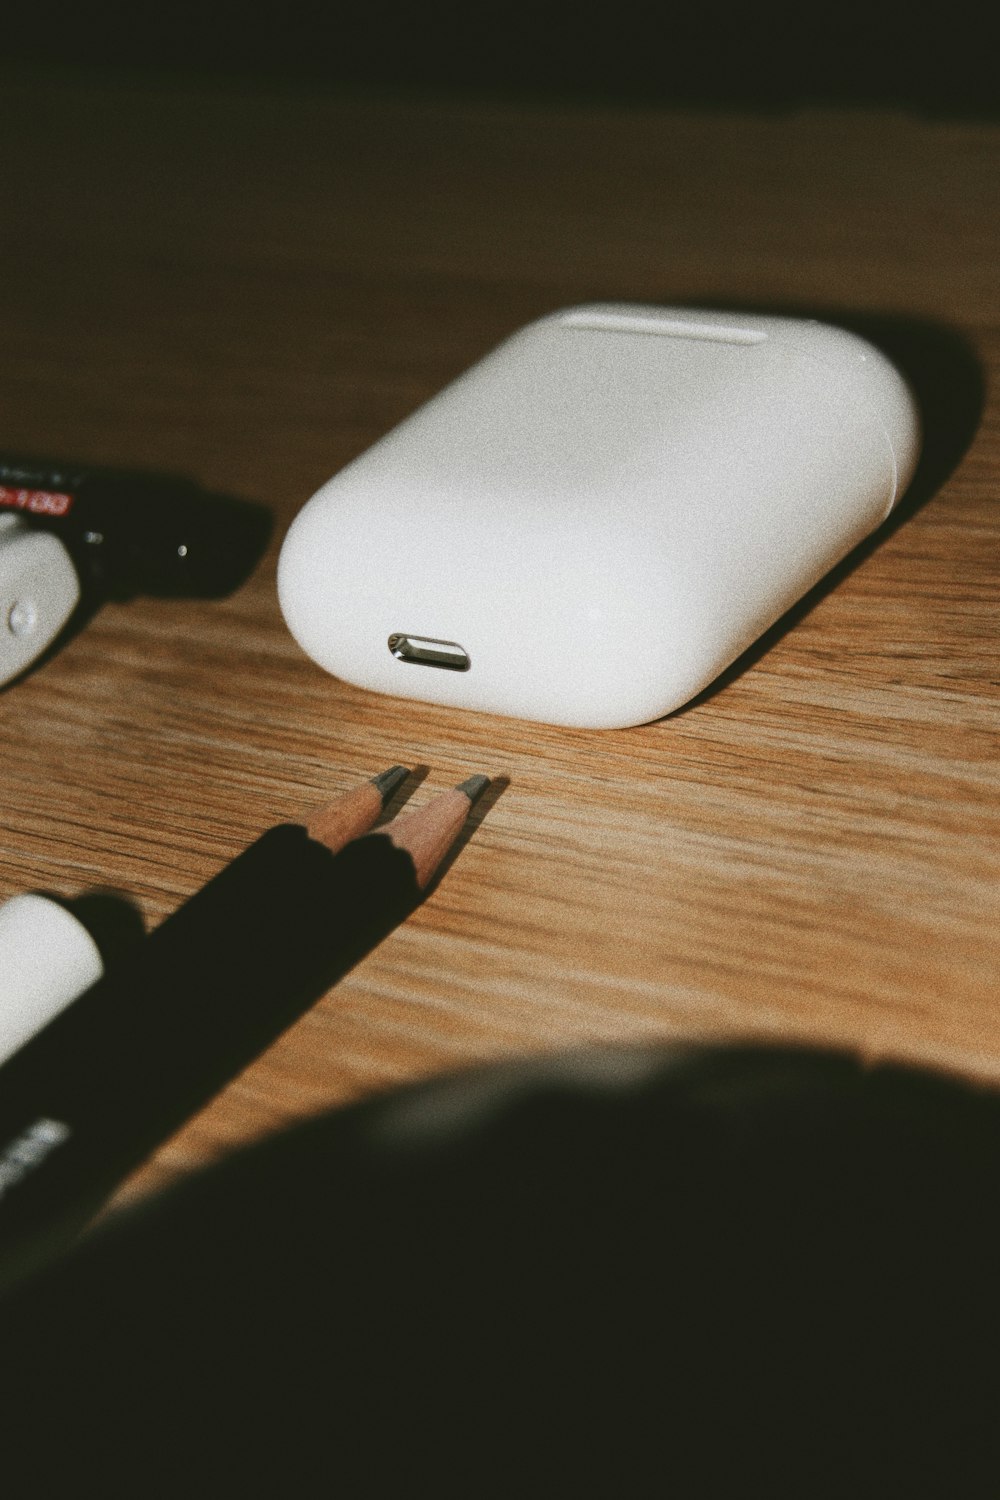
(428, 653)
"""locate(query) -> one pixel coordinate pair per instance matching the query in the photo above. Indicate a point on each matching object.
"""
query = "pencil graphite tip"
(387, 781)
(473, 787)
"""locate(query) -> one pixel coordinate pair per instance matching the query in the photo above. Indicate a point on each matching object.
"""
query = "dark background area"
(770, 56)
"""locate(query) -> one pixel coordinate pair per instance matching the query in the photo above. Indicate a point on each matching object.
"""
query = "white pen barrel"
(47, 958)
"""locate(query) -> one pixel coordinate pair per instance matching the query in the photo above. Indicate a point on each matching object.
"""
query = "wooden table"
(253, 288)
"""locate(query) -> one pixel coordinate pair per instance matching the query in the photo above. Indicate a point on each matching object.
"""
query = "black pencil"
(103, 1084)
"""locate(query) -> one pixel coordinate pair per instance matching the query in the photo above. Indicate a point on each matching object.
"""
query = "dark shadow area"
(692, 1273)
(948, 383)
(771, 56)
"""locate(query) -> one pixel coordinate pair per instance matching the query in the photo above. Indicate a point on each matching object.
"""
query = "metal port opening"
(428, 653)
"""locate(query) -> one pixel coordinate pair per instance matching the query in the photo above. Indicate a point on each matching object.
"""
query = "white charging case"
(591, 523)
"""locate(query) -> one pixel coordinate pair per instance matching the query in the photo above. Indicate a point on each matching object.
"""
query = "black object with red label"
(133, 532)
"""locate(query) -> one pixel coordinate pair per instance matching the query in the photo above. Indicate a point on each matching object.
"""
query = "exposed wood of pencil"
(428, 833)
(354, 812)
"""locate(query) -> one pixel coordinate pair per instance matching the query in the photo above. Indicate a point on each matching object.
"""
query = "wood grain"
(253, 288)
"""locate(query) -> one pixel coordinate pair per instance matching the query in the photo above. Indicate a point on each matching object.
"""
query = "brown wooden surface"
(253, 289)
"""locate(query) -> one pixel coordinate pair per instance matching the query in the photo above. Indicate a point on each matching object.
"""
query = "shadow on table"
(690, 1272)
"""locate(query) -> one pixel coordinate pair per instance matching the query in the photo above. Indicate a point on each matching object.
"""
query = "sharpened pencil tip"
(387, 781)
(473, 787)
